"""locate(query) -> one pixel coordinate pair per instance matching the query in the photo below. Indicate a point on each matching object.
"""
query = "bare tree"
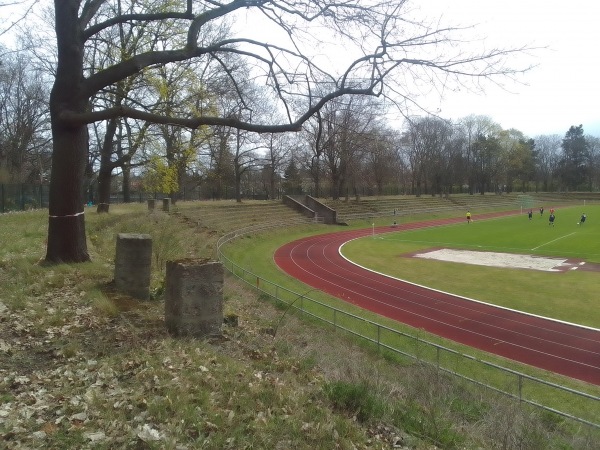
(548, 156)
(278, 152)
(429, 141)
(245, 159)
(382, 161)
(218, 168)
(310, 155)
(19, 12)
(379, 38)
(518, 163)
(474, 128)
(347, 134)
(116, 150)
(24, 122)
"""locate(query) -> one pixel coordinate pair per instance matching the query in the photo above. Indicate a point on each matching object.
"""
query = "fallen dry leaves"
(71, 377)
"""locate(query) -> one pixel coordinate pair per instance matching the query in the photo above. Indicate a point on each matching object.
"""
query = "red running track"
(559, 347)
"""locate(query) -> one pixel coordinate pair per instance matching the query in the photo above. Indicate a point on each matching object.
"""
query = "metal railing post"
(520, 388)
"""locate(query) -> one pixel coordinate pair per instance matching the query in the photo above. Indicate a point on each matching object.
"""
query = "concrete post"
(133, 263)
(166, 204)
(194, 297)
(150, 204)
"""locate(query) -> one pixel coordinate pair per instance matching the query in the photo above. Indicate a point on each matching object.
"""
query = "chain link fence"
(21, 197)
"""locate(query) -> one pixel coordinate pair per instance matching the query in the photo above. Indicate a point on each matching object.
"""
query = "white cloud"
(562, 90)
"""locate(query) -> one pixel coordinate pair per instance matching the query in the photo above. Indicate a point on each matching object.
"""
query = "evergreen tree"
(293, 181)
(573, 165)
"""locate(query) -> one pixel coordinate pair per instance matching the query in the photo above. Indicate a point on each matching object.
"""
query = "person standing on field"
(551, 220)
(582, 219)
(468, 216)
(530, 214)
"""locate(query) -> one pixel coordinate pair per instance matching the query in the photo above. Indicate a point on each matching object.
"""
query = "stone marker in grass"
(194, 297)
(133, 263)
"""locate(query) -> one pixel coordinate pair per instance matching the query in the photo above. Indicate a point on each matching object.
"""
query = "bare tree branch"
(23, 8)
(73, 118)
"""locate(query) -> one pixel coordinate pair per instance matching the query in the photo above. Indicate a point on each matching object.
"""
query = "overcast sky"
(563, 89)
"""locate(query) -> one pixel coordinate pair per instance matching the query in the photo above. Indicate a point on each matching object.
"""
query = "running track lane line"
(552, 345)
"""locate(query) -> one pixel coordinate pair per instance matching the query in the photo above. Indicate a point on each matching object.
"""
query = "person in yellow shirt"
(468, 216)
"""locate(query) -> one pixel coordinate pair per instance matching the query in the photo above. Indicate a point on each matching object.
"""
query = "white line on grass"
(554, 240)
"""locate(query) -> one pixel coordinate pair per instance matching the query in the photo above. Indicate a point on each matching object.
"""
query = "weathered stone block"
(194, 297)
(166, 204)
(133, 263)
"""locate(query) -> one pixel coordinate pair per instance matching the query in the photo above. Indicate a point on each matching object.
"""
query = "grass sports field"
(570, 295)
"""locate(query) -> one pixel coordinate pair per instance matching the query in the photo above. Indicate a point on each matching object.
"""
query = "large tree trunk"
(66, 222)
(181, 179)
(272, 184)
(104, 178)
(238, 187)
(106, 167)
(126, 183)
(315, 170)
(335, 184)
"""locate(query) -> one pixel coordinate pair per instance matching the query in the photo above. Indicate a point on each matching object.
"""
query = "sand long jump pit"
(496, 259)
